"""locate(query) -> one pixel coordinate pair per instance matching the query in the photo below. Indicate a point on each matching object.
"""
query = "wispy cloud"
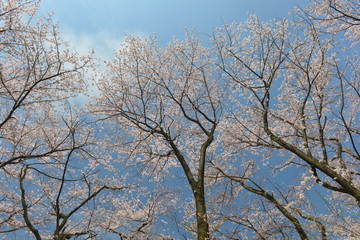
(103, 43)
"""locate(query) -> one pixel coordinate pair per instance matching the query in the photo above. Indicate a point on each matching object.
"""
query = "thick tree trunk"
(196, 186)
(201, 215)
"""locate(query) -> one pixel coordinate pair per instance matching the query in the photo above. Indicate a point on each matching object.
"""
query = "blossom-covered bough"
(336, 16)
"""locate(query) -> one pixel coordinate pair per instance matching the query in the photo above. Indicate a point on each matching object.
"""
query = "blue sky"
(102, 24)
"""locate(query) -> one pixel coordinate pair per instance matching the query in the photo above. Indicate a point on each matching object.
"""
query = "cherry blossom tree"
(37, 75)
(291, 110)
(38, 143)
(295, 106)
(57, 181)
(168, 101)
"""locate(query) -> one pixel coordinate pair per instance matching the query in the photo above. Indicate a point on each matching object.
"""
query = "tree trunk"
(201, 215)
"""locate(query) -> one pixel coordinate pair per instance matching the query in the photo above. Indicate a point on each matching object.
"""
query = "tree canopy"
(252, 135)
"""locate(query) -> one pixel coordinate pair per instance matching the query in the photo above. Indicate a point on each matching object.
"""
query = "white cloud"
(104, 43)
